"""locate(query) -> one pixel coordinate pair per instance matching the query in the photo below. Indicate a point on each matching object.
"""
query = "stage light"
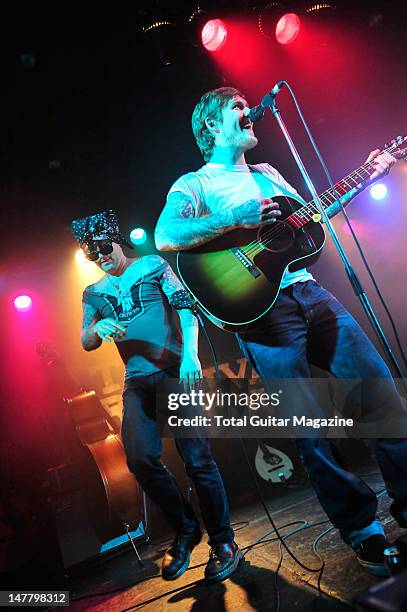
(268, 18)
(80, 258)
(287, 28)
(138, 235)
(214, 35)
(320, 6)
(23, 302)
(161, 31)
(378, 191)
(194, 25)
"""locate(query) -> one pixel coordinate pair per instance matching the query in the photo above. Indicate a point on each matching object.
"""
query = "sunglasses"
(104, 247)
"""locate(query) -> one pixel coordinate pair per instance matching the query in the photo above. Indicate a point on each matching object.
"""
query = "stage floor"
(253, 585)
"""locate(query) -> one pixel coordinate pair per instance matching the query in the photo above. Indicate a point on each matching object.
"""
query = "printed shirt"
(153, 341)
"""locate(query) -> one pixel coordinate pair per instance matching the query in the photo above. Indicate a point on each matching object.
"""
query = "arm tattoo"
(187, 318)
(179, 205)
(188, 211)
(170, 282)
(179, 229)
(90, 340)
(177, 296)
(89, 315)
(248, 209)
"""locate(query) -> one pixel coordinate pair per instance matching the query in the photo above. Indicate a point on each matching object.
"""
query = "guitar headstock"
(394, 147)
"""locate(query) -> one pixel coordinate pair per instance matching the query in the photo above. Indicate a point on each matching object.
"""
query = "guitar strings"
(296, 218)
(311, 208)
(274, 231)
(305, 209)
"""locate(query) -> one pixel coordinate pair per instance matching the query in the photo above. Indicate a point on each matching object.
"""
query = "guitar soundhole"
(277, 237)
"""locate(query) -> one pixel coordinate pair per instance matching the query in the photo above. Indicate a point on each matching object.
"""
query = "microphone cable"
(211, 346)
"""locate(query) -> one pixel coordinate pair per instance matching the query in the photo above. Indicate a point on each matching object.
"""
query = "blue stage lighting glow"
(138, 235)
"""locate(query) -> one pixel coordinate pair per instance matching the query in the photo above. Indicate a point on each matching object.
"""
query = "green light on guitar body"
(227, 274)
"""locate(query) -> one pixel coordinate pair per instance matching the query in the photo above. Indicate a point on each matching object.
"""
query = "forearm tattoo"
(247, 211)
(178, 229)
(89, 316)
(187, 318)
(90, 340)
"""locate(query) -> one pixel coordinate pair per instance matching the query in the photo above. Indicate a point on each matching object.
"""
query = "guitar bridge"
(246, 262)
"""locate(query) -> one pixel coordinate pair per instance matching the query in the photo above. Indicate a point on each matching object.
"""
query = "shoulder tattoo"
(180, 205)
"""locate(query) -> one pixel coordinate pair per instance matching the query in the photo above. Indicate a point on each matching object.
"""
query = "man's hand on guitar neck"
(382, 164)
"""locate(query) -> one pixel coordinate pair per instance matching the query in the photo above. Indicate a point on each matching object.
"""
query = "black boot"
(223, 560)
(370, 554)
(176, 559)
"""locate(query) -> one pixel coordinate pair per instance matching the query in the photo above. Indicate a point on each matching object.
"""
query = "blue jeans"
(309, 326)
(142, 442)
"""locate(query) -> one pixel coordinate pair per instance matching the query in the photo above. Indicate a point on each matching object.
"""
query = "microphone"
(257, 112)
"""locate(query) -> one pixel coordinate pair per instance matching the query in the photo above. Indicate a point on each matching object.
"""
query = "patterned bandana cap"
(102, 225)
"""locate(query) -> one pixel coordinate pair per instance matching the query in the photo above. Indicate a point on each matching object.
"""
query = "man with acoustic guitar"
(306, 325)
(134, 305)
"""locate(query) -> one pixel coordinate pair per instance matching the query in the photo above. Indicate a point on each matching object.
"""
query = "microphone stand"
(352, 276)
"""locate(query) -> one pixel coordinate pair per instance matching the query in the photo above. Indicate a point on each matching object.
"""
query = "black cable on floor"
(263, 502)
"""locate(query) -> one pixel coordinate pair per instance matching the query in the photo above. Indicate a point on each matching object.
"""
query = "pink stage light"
(214, 35)
(288, 28)
(22, 302)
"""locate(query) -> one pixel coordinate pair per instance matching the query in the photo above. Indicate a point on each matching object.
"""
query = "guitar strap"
(262, 173)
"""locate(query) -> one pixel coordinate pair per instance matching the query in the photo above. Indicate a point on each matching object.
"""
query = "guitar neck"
(310, 212)
(354, 179)
(307, 213)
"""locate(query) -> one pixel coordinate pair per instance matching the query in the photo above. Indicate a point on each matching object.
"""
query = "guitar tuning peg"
(395, 142)
(402, 154)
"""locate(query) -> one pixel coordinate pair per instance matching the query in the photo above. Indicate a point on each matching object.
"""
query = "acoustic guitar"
(236, 278)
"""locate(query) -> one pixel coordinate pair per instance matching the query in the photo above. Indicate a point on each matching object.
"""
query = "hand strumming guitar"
(253, 213)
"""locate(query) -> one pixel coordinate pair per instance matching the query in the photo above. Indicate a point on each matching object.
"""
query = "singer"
(307, 325)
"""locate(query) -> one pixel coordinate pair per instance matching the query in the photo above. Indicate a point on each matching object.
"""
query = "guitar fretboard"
(311, 212)
(306, 213)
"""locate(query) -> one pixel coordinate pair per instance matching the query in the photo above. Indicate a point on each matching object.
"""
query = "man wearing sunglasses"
(134, 305)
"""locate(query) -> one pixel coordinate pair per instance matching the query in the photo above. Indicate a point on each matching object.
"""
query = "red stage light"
(23, 302)
(214, 35)
(288, 28)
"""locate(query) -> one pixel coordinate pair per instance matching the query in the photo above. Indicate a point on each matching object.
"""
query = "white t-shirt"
(217, 187)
